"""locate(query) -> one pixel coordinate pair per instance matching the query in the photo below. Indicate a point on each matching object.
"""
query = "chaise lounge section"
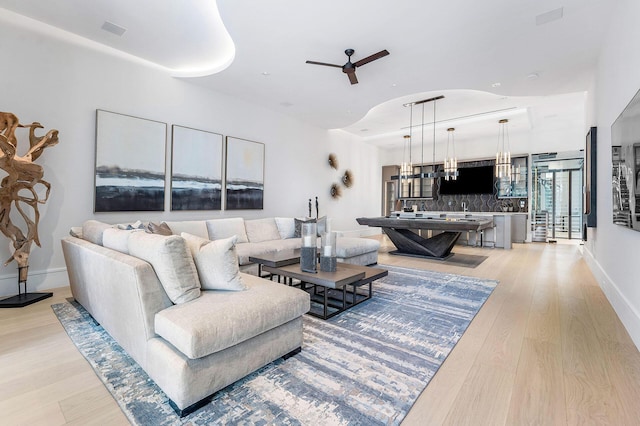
(195, 344)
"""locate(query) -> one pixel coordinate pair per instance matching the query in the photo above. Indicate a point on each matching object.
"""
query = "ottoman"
(357, 251)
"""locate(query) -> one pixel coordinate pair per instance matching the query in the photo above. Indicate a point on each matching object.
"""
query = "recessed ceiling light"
(533, 76)
(552, 15)
(265, 73)
(394, 85)
(496, 85)
(113, 28)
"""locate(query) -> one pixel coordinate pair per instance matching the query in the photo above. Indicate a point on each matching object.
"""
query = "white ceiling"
(456, 48)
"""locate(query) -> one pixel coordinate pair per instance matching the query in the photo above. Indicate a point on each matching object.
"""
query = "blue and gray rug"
(365, 366)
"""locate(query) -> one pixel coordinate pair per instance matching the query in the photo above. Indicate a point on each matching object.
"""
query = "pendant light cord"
(434, 137)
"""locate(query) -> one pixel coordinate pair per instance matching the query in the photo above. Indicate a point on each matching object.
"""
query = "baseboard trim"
(629, 316)
(36, 281)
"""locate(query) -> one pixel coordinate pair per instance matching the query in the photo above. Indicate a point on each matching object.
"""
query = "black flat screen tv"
(471, 180)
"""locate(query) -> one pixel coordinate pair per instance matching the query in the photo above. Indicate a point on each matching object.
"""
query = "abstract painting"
(196, 169)
(130, 163)
(245, 174)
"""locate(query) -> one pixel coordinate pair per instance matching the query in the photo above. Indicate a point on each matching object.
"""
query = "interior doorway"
(558, 191)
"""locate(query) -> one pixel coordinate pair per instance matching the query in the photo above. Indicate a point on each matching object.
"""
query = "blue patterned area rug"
(365, 366)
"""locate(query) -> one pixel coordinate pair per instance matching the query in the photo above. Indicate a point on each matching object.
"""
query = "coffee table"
(331, 292)
(276, 259)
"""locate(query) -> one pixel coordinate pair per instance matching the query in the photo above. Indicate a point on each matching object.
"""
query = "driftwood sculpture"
(18, 188)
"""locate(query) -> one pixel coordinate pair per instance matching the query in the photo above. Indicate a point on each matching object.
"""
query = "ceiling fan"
(350, 68)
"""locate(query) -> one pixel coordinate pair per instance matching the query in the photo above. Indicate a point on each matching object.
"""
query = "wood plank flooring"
(545, 349)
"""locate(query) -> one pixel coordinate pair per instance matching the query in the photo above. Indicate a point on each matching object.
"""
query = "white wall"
(614, 252)
(61, 84)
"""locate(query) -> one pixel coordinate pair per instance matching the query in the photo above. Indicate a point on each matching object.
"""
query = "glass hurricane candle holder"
(308, 250)
(328, 260)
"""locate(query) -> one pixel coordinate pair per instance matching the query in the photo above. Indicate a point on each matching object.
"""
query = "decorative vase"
(328, 260)
(308, 250)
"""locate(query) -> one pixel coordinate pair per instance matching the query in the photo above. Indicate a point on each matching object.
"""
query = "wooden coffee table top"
(342, 276)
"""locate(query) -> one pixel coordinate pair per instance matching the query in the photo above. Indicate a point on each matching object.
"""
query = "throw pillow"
(92, 231)
(322, 226)
(193, 227)
(159, 228)
(76, 231)
(117, 239)
(259, 230)
(172, 261)
(286, 227)
(216, 262)
(225, 228)
(129, 226)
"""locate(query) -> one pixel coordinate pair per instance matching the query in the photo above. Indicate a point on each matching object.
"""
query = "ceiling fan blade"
(352, 78)
(373, 57)
(324, 63)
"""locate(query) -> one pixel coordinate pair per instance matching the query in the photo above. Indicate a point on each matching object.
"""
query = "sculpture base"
(24, 299)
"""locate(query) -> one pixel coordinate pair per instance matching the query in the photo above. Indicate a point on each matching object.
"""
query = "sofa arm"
(121, 292)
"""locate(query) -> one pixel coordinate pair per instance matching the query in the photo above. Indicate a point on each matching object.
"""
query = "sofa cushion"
(92, 231)
(244, 250)
(232, 317)
(259, 230)
(117, 239)
(193, 227)
(225, 228)
(172, 261)
(348, 247)
(286, 227)
(159, 228)
(216, 262)
(288, 244)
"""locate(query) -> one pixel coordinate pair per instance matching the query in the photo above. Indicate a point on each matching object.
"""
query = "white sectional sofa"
(192, 340)
(259, 236)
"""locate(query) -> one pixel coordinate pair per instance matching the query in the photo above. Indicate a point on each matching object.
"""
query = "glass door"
(558, 191)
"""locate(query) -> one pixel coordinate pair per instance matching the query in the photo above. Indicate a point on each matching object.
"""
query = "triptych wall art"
(205, 174)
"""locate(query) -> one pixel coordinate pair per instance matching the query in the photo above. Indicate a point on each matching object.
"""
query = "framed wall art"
(196, 169)
(244, 174)
(625, 156)
(130, 163)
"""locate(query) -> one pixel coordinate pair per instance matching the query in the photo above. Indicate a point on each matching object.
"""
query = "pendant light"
(406, 168)
(450, 162)
(503, 154)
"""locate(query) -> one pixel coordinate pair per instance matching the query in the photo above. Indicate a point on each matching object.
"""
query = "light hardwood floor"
(545, 349)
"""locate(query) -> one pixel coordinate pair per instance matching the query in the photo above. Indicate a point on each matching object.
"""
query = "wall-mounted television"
(471, 180)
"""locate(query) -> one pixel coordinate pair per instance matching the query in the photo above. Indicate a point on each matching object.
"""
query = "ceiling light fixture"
(503, 154)
(433, 174)
(406, 168)
(481, 116)
(450, 162)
